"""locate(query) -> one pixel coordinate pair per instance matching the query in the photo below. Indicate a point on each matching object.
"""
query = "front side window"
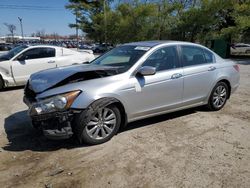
(163, 59)
(32, 54)
(36, 53)
(192, 55)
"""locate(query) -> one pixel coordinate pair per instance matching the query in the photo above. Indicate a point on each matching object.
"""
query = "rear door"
(199, 71)
(31, 61)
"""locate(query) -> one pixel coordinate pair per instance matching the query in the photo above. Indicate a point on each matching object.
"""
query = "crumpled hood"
(46, 79)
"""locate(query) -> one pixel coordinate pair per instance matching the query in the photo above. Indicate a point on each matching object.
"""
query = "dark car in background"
(6, 47)
(101, 48)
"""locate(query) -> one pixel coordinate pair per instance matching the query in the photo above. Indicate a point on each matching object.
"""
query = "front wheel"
(1, 83)
(218, 97)
(98, 125)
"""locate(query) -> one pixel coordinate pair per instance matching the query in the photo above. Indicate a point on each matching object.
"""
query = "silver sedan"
(131, 82)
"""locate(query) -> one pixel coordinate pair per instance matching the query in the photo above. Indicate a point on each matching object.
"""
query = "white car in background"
(18, 64)
(240, 49)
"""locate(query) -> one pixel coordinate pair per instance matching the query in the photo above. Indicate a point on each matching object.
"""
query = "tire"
(218, 96)
(1, 83)
(91, 129)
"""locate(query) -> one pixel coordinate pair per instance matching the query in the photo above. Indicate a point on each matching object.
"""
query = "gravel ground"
(191, 148)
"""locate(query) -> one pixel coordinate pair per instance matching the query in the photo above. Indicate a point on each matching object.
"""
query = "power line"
(28, 7)
(32, 6)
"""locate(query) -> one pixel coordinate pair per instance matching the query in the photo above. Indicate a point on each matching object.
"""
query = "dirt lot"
(191, 148)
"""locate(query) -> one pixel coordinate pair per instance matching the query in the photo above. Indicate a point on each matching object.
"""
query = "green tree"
(190, 20)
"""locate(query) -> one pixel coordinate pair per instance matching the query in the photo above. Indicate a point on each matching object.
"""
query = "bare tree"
(12, 29)
(40, 33)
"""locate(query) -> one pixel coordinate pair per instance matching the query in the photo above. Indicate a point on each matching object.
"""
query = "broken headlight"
(55, 103)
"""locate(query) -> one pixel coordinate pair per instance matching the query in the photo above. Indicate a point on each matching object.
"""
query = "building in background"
(8, 39)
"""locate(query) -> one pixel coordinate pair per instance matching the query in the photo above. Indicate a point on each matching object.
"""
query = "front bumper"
(55, 125)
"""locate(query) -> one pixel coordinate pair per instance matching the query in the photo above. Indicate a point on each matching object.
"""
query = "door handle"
(51, 61)
(175, 76)
(212, 68)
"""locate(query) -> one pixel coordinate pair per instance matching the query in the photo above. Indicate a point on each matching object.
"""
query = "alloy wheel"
(219, 96)
(101, 124)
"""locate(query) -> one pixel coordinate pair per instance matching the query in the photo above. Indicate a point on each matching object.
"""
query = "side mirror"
(147, 70)
(85, 62)
(21, 57)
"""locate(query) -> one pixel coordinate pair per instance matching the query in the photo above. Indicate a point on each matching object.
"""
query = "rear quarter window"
(209, 56)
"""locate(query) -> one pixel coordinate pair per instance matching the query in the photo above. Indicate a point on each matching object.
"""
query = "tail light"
(237, 68)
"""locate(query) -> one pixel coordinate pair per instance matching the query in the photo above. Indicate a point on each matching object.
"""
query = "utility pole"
(21, 24)
(105, 22)
(77, 42)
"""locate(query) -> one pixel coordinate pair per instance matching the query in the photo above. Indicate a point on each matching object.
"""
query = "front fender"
(84, 100)
(4, 73)
(6, 76)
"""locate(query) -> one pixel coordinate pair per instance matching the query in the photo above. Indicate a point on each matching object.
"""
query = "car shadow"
(22, 136)
(11, 88)
(161, 118)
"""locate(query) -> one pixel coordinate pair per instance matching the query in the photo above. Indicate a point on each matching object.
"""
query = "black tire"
(81, 121)
(1, 83)
(213, 107)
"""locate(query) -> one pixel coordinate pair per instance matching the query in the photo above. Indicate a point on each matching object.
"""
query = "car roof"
(242, 44)
(156, 43)
(42, 45)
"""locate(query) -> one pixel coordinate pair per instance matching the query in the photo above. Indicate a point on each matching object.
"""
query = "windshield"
(123, 57)
(13, 52)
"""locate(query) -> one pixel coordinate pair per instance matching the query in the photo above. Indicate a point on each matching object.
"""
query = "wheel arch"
(2, 80)
(105, 101)
(221, 79)
(5, 76)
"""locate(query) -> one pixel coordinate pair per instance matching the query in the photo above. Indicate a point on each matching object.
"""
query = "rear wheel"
(96, 126)
(218, 97)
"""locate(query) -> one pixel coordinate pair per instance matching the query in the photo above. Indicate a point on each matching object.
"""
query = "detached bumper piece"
(56, 125)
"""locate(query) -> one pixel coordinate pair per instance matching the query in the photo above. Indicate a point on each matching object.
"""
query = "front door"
(159, 92)
(31, 61)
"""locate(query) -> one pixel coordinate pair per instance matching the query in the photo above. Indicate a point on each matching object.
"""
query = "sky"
(36, 16)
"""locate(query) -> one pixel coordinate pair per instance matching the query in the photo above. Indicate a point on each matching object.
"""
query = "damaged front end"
(52, 115)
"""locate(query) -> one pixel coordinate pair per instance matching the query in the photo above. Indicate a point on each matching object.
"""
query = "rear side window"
(192, 55)
(48, 52)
